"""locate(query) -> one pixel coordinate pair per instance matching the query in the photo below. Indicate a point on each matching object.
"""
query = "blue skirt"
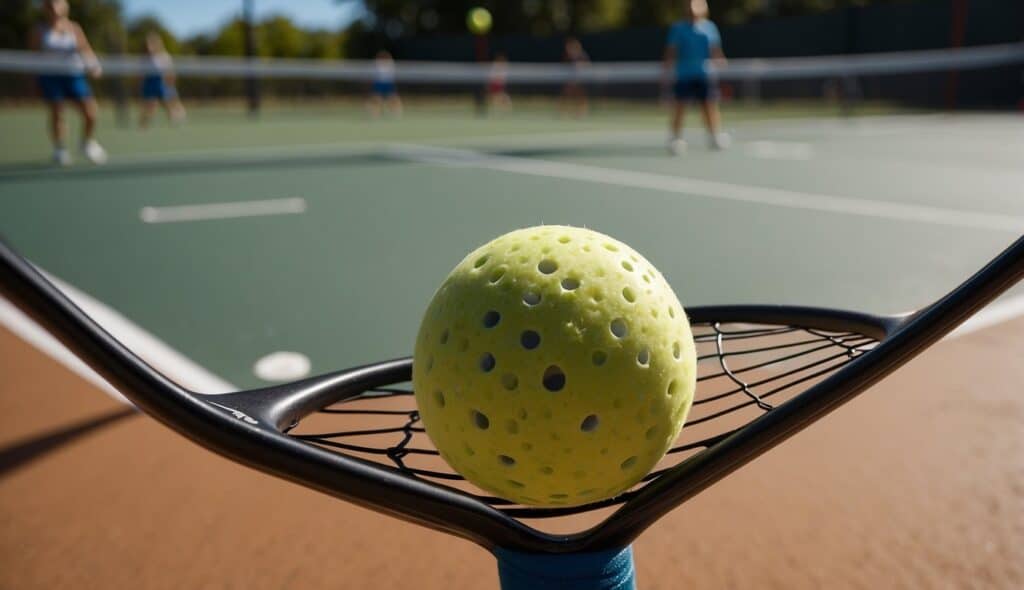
(154, 88)
(57, 87)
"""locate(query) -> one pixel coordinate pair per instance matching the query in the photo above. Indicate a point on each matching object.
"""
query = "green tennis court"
(315, 232)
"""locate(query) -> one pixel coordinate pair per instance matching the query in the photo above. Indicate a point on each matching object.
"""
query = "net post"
(611, 569)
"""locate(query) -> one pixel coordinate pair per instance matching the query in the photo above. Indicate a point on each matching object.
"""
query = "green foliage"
(138, 29)
(101, 21)
(17, 17)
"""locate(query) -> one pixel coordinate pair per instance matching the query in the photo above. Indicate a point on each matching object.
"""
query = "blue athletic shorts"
(154, 88)
(702, 89)
(384, 89)
(56, 87)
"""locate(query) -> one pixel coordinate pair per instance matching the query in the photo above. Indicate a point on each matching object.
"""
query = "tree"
(139, 28)
(17, 17)
(101, 20)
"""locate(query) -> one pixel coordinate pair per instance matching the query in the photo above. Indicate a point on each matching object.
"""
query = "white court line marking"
(230, 210)
(709, 188)
(993, 315)
(165, 359)
(779, 150)
(193, 376)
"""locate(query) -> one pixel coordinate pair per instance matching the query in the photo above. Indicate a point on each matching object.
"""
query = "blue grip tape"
(603, 570)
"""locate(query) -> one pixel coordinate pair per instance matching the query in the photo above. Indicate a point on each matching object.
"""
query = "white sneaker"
(94, 152)
(676, 145)
(61, 156)
(721, 141)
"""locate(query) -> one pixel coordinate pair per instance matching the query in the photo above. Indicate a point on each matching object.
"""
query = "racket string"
(740, 368)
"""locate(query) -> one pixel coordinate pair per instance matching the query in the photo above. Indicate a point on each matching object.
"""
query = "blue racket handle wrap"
(603, 570)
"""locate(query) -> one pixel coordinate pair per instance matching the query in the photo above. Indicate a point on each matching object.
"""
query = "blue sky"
(187, 17)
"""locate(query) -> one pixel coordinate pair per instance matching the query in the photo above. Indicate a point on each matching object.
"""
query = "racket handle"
(602, 570)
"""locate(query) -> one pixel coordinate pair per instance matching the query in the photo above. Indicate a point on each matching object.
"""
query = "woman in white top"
(63, 39)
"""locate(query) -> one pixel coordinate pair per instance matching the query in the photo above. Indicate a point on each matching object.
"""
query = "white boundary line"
(193, 376)
(709, 188)
(227, 210)
(165, 359)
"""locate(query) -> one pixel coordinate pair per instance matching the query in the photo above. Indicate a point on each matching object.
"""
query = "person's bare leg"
(712, 117)
(90, 110)
(148, 110)
(713, 122)
(677, 118)
(677, 115)
(90, 147)
(175, 109)
(395, 105)
(58, 133)
(374, 106)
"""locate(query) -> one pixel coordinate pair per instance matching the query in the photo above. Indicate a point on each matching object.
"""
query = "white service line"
(779, 150)
(709, 188)
(230, 210)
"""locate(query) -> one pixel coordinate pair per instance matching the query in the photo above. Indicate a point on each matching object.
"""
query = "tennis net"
(985, 76)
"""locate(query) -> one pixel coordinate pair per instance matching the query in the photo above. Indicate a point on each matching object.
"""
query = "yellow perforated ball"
(554, 367)
(478, 21)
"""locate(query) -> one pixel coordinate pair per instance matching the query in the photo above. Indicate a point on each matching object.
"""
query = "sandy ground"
(919, 483)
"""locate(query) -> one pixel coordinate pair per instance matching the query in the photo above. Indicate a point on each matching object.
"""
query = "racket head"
(258, 427)
(362, 428)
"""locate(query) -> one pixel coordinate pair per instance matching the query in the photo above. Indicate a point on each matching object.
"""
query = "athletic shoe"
(61, 156)
(720, 141)
(94, 152)
(676, 145)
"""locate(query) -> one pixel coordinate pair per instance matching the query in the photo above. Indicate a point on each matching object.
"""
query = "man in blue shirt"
(693, 45)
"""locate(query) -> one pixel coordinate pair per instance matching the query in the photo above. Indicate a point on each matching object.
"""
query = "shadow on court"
(24, 452)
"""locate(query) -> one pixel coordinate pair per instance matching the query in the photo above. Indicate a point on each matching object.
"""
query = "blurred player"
(158, 84)
(692, 43)
(62, 39)
(497, 84)
(574, 95)
(385, 91)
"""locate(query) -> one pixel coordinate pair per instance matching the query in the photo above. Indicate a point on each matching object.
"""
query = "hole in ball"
(554, 378)
(643, 357)
(506, 460)
(619, 328)
(599, 357)
(480, 420)
(589, 423)
(487, 362)
(530, 298)
(570, 284)
(673, 387)
(509, 381)
(547, 266)
(491, 319)
(529, 339)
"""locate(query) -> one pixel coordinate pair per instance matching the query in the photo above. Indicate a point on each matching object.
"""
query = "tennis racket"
(765, 373)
